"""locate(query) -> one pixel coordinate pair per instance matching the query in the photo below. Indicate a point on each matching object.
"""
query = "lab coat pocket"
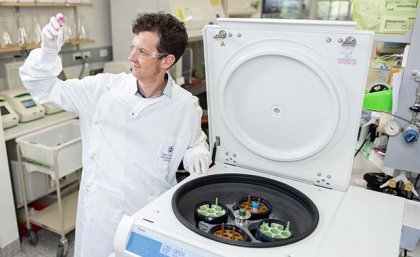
(105, 212)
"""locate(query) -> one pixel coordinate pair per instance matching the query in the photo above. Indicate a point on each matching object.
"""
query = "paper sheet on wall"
(214, 2)
(396, 85)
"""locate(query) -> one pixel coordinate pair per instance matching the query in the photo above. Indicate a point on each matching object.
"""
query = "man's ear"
(168, 61)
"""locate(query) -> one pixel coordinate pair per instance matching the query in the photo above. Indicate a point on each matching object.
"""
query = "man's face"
(145, 59)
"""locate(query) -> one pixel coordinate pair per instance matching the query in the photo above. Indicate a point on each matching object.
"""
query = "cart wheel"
(33, 239)
(61, 252)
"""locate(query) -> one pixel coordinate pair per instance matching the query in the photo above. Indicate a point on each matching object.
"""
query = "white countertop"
(362, 165)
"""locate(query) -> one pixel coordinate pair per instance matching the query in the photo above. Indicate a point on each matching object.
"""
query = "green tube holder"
(378, 101)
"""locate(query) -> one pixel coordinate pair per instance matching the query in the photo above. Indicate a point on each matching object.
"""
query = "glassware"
(37, 32)
(6, 40)
(81, 30)
(22, 36)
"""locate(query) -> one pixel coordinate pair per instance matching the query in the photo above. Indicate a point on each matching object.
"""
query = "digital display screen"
(28, 103)
(4, 110)
(146, 247)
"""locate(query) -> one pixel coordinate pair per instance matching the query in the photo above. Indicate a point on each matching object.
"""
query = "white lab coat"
(132, 146)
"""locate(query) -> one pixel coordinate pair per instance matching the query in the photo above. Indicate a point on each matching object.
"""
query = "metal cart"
(56, 151)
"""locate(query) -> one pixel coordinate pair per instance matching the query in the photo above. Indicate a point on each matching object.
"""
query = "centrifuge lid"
(278, 101)
(279, 104)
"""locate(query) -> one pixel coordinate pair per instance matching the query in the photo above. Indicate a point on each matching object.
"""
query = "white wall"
(122, 14)
(98, 23)
(8, 224)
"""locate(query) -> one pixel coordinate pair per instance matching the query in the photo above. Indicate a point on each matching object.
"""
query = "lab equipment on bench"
(284, 100)
(23, 103)
(403, 150)
(408, 186)
(52, 108)
(56, 151)
(379, 98)
(8, 115)
(14, 82)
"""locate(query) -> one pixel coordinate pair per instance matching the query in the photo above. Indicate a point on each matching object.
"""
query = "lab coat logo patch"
(168, 155)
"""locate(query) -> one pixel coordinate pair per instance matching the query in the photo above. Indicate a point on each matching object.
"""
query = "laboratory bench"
(44, 122)
(361, 166)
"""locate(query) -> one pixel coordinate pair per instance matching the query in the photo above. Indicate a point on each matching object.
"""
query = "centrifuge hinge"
(230, 158)
(323, 180)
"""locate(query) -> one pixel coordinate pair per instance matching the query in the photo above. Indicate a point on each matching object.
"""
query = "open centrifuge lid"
(277, 101)
(261, 96)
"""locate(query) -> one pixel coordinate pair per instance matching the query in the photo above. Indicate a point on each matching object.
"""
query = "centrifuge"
(284, 102)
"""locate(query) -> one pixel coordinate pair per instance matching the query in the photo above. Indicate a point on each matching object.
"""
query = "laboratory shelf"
(49, 218)
(45, 122)
(394, 38)
(17, 48)
(25, 4)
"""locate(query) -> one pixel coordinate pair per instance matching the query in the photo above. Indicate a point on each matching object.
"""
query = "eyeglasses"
(141, 53)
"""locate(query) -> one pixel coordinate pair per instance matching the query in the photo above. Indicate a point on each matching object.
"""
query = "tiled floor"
(47, 245)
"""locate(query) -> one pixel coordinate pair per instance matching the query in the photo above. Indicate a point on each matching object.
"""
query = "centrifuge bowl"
(288, 204)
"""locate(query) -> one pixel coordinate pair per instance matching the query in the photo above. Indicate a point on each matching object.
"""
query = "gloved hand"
(197, 158)
(52, 34)
(200, 163)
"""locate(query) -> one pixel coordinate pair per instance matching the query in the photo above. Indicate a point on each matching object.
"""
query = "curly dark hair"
(172, 32)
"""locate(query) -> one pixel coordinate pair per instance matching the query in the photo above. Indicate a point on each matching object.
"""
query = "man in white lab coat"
(136, 128)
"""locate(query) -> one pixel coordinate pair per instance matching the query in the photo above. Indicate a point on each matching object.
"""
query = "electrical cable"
(83, 62)
(417, 180)
(361, 146)
(412, 197)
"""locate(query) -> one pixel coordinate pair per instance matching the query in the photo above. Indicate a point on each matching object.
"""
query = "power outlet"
(103, 52)
(77, 56)
(86, 55)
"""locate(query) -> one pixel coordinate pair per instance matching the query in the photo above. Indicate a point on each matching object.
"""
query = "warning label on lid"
(346, 56)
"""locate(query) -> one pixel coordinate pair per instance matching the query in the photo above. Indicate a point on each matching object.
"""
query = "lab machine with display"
(14, 82)
(284, 100)
(23, 103)
(9, 117)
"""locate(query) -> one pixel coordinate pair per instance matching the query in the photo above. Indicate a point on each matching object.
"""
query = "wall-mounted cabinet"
(394, 38)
